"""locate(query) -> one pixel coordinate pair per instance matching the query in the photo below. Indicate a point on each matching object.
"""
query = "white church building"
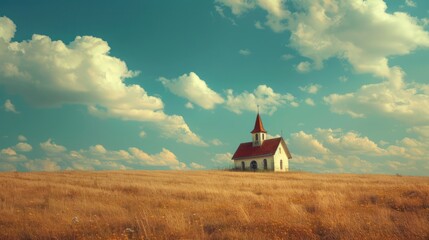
(262, 154)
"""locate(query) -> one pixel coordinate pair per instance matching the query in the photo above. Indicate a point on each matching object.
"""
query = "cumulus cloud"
(50, 73)
(196, 166)
(245, 52)
(189, 105)
(57, 157)
(393, 98)
(23, 147)
(410, 3)
(307, 143)
(310, 102)
(9, 107)
(350, 142)
(193, 88)
(336, 150)
(216, 142)
(51, 148)
(258, 25)
(222, 160)
(303, 67)
(264, 96)
(362, 32)
(287, 57)
(142, 134)
(22, 138)
(312, 88)
(47, 165)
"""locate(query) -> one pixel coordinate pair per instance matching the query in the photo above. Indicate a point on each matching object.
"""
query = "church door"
(254, 165)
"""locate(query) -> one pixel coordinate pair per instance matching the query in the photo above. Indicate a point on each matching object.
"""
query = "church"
(262, 154)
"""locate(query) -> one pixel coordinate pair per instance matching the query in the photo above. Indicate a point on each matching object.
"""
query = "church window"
(243, 166)
(281, 164)
(254, 165)
(256, 137)
(263, 136)
(280, 150)
(265, 164)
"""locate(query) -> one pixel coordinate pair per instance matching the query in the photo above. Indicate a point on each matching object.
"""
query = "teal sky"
(151, 84)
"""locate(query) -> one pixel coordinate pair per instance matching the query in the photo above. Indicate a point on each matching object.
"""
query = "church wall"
(260, 161)
(281, 155)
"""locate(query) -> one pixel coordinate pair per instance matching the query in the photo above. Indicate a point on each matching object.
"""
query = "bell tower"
(259, 134)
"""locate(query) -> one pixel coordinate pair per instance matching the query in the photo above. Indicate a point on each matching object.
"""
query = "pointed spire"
(259, 127)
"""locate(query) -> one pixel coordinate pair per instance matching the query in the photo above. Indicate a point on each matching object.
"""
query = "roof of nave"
(268, 148)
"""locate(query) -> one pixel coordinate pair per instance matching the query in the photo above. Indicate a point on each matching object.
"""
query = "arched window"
(281, 164)
(265, 164)
(256, 137)
(280, 150)
(243, 166)
(263, 136)
(254, 165)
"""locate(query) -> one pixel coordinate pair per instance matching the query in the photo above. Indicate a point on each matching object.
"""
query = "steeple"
(259, 127)
(258, 132)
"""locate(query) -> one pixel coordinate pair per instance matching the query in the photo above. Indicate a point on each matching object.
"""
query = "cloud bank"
(50, 73)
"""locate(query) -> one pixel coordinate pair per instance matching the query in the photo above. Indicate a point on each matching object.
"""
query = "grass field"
(212, 205)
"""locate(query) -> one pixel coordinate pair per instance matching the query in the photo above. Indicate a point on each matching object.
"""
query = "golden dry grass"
(212, 205)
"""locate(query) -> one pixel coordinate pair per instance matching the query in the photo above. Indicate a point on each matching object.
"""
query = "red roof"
(268, 148)
(259, 127)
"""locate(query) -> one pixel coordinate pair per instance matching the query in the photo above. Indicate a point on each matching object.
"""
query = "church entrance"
(254, 165)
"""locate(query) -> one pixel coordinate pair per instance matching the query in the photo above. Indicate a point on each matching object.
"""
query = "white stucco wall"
(260, 161)
(281, 155)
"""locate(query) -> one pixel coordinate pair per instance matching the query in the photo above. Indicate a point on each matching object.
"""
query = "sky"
(149, 84)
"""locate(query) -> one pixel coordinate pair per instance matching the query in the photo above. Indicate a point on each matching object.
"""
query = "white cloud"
(7, 29)
(258, 25)
(310, 102)
(42, 165)
(23, 147)
(189, 105)
(393, 99)
(51, 148)
(307, 143)
(350, 142)
(50, 73)
(8, 151)
(197, 166)
(22, 138)
(287, 57)
(164, 158)
(245, 52)
(142, 134)
(421, 131)
(237, 6)
(216, 142)
(343, 79)
(191, 87)
(334, 150)
(410, 3)
(220, 11)
(57, 158)
(361, 32)
(312, 88)
(9, 107)
(10, 156)
(222, 159)
(175, 127)
(303, 67)
(264, 96)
